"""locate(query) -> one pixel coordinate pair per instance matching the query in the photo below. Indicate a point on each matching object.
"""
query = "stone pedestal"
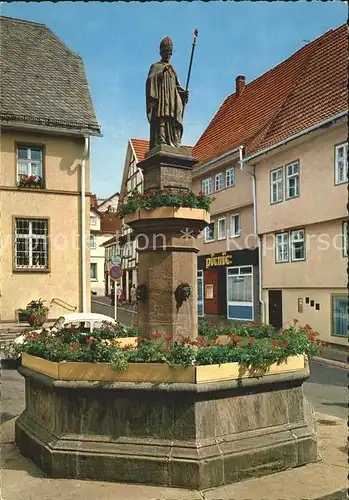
(194, 436)
(166, 245)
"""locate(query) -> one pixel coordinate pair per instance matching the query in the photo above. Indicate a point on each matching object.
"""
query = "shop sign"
(218, 260)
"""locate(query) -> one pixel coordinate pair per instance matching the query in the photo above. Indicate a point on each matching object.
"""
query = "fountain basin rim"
(158, 372)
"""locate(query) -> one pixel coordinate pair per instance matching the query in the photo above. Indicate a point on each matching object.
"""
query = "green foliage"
(163, 198)
(264, 347)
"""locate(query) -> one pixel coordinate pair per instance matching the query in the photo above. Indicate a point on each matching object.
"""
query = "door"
(275, 308)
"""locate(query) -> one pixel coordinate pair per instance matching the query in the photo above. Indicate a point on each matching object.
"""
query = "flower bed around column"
(220, 353)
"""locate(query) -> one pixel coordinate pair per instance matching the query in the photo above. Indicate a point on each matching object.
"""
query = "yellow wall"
(62, 159)
(320, 199)
(230, 198)
(245, 240)
(325, 264)
(320, 321)
(61, 208)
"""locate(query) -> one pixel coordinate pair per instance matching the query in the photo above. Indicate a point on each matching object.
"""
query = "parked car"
(82, 322)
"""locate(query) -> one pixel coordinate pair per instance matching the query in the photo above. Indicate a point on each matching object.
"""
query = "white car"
(82, 322)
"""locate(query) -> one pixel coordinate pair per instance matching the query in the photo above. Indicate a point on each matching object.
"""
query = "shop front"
(228, 285)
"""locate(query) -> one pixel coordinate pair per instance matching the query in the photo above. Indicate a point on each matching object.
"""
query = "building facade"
(304, 226)
(110, 203)
(228, 277)
(44, 157)
(294, 151)
(132, 180)
(104, 224)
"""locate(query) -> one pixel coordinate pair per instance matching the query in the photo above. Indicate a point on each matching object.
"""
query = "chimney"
(240, 84)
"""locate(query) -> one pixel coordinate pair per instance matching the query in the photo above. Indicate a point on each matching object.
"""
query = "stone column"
(166, 241)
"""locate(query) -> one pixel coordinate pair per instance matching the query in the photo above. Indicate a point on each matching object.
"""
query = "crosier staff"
(196, 33)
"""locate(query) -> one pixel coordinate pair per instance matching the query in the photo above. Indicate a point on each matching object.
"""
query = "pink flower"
(90, 340)
(251, 340)
(74, 347)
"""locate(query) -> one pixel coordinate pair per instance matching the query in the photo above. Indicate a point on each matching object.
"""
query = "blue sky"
(119, 41)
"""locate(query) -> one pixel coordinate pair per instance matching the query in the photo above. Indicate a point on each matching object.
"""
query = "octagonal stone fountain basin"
(190, 433)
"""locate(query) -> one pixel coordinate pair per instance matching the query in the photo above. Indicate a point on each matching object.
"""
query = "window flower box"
(30, 181)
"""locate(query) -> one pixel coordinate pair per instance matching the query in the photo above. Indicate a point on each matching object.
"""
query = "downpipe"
(255, 228)
(83, 224)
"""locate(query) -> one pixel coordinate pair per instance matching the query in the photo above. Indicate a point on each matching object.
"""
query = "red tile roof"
(303, 90)
(141, 147)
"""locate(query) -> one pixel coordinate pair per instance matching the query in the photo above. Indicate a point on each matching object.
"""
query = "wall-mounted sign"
(208, 291)
(218, 260)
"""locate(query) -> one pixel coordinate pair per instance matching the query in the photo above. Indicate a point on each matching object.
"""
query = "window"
(230, 177)
(93, 220)
(292, 180)
(31, 244)
(93, 270)
(297, 245)
(340, 315)
(341, 163)
(240, 293)
(222, 229)
(29, 164)
(276, 185)
(345, 240)
(206, 186)
(219, 181)
(282, 247)
(209, 232)
(234, 225)
(92, 241)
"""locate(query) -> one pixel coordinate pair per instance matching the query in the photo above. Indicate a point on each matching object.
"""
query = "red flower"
(156, 335)
(200, 340)
(251, 340)
(74, 347)
(237, 339)
(273, 342)
(168, 338)
(164, 349)
(141, 340)
(90, 340)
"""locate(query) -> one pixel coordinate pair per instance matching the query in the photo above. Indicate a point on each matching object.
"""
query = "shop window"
(200, 285)
(240, 293)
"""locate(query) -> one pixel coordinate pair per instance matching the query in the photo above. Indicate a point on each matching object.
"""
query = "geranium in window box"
(33, 181)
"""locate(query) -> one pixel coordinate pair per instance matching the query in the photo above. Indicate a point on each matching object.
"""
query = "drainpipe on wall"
(83, 225)
(255, 228)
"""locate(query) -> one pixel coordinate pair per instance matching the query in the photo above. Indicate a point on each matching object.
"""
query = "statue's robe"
(164, 99)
